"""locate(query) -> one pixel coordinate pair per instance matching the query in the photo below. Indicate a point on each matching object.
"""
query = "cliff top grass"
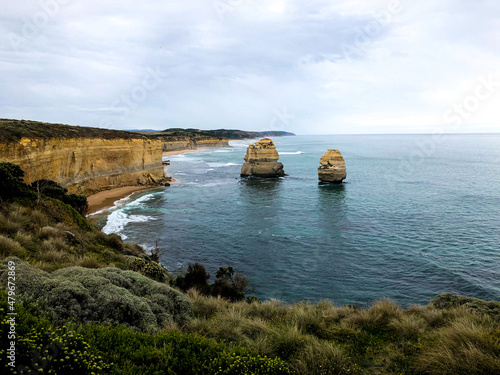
(14, 130)
(218, 133)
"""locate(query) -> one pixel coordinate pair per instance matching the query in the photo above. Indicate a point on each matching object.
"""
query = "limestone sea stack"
(261, 160)
(332, 169)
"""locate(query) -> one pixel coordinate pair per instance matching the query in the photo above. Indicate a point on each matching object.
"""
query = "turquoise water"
(415, 218)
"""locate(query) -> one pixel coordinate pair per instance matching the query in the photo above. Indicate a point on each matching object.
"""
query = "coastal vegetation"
(88, 303)
(224, 133)
(14, 130)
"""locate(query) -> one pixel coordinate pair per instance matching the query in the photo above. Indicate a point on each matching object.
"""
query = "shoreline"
(106, 199)
(179, 152)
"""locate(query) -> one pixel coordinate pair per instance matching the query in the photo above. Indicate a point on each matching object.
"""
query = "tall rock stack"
(332, 169)
(261, 160)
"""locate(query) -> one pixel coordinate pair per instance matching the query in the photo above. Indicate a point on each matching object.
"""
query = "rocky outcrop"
(261, 160)
(87, 165)
(332, 169)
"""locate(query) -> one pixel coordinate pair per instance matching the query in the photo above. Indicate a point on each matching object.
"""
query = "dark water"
(415, 218)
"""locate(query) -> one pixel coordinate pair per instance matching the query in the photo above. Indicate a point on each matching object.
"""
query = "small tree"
(39, 186)
(196, 277)
(53, 190)
(229, 284)
(11, 181)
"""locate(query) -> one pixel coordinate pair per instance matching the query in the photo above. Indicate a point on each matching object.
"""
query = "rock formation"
(332, 169)
(261, 160)
(87, 165)
(179, 143)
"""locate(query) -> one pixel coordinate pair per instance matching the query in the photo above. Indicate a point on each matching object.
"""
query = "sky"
(305, 66)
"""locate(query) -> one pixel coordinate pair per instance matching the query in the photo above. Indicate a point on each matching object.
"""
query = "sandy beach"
(107, 198)
(171, 153)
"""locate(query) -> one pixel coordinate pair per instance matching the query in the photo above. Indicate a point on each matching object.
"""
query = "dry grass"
(9, 247)
(469, 345)
(383, 339)
(51, 244)
(89, 262)
(375, 318)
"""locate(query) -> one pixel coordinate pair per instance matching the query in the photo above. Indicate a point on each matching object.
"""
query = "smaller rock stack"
(332, 169)
(261, 160)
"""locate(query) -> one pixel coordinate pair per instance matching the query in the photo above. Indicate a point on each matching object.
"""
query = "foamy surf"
(219, 165)
(118, 219)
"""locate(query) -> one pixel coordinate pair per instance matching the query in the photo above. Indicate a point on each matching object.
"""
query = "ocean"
(418, 215)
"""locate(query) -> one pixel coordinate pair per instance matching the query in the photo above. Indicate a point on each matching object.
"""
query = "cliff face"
(87, 165)
(189, 143)
(261, 160)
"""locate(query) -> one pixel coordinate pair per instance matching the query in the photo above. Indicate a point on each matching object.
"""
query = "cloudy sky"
(306, 66)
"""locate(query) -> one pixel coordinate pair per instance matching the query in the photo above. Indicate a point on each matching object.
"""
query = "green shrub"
(11, 182)
(154, 271)
(196, 277)
(174, 353)
(42, 348)
(107, 295)
(137, 265)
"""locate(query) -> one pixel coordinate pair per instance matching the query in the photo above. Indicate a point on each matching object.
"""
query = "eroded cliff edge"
(84, 160)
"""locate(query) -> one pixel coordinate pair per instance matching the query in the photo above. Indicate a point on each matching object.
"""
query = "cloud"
(356, 66)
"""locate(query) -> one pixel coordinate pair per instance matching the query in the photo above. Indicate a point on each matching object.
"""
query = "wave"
(123, 201)
(178, 156)
(141, 200)
(240, 144)
(291, 153)
(118, 219)
(99, 212)
(219, 165)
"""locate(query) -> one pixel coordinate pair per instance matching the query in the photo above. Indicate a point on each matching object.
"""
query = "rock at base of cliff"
(332, 169)
(149, 180)
(261, 160)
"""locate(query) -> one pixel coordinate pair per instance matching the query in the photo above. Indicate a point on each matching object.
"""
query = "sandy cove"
(107, 198)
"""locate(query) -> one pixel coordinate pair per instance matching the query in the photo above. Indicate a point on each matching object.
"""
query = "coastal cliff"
(84, 161)
(178, 139)
(175, 143)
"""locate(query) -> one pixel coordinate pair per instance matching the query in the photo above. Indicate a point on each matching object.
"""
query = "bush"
(11, 182)
(154, 271)
(53, 190)
(227, 284)
(42, 348)
(175, 353)
(107, 295)
(196, 277)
